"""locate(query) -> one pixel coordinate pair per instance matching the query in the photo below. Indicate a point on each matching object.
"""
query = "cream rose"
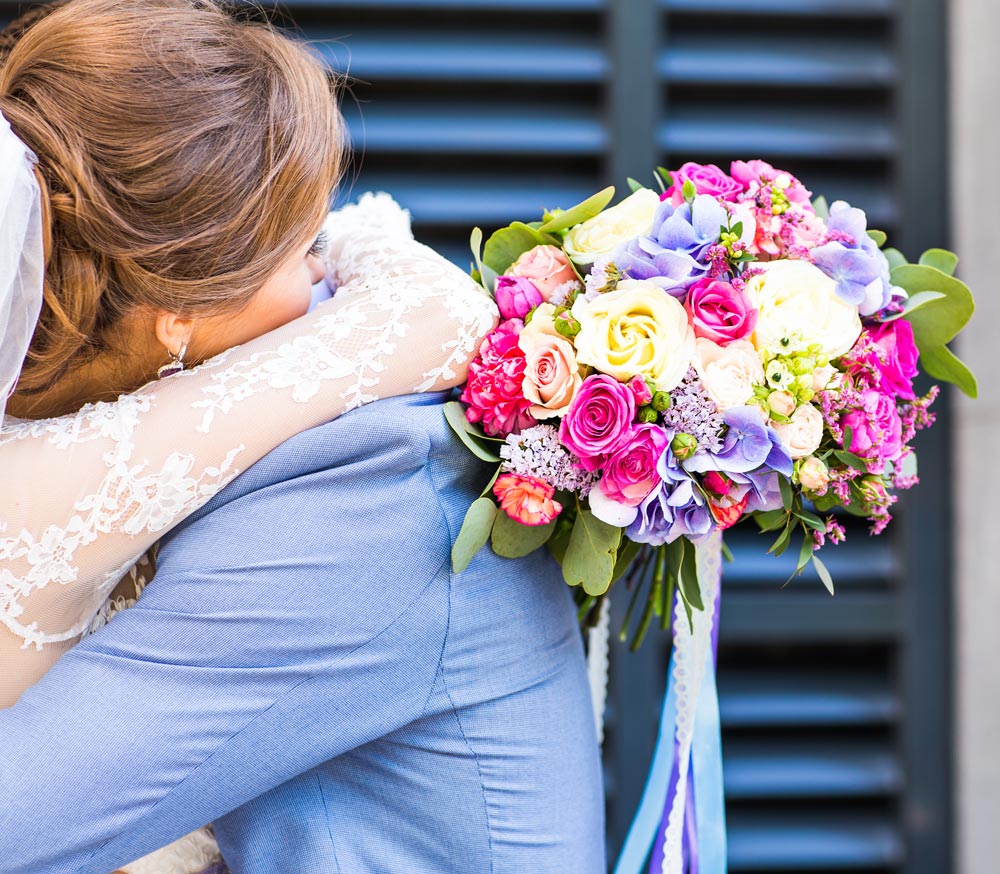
(803, 434)
(602, 234)
(814, 475)
(636, 330)
(797, 301)
(728, 373)
(552, 374)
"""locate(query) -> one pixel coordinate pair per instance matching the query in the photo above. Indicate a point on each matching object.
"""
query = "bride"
(167, 171)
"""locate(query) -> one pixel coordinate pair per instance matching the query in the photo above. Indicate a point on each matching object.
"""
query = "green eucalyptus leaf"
(635, 185)
(941, 363)
(781, 544)
(664, 177)
(475, 532)
(822, 207)
(938, 321)
(587, 209)
(591, 554)
(811, 519)
(824, 574)
(921, 298)
(805, 552)
(476, 244)
(851, 460)
(771, 520)
(626, 555)
(894, 257)
(454, 412)
(826, 502)
(508, 244)
(513, 540)
(942, 259)
(786, 492)
(879, 237)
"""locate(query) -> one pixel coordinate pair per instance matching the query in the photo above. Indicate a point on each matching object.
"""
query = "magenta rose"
(599, 420)
(754, 175)
(900, 357)
(707, 179)
(876, 430)
(719, 312)
(546, 266)
(516, 296)
(640, 389)
(494, 393)
(630, 473)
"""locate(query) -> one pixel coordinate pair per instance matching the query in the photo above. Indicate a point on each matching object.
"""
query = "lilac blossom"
(692, 411)
(538, 452)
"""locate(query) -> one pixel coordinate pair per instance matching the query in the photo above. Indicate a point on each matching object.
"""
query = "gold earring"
(175, 365)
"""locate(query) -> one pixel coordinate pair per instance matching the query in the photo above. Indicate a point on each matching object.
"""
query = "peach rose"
(803, 434)
(814, 475)
(551, 374)
(546, 266)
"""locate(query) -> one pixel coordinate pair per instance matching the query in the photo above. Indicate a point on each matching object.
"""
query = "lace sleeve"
(84, 496)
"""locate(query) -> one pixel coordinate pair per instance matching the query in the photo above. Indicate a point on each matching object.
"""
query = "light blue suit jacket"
(306, 671)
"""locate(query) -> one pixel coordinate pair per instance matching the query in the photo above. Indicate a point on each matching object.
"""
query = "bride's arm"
(84, 496)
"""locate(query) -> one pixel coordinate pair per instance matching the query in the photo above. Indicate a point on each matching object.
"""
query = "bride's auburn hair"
(184, 155)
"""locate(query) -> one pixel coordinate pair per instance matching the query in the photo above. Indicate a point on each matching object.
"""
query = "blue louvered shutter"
(835, 710)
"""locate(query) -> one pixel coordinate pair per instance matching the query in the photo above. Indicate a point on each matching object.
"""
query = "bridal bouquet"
(721, 348)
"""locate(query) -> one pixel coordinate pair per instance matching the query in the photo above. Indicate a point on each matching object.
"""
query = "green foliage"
(822, 207)
(824, 574)
(468, 433)
(942, 259)
(587, 209)
(879, 237)
(475, 532)
(508, 244)
(591, 553)
(635, 185)
(941, 363)
(894, 257)
(513, 540)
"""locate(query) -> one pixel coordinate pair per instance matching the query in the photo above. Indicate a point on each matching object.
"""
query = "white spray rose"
(803, 434)
(602, 234)
(728, 373)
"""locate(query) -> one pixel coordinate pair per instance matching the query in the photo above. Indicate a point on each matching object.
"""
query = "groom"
(306, 672)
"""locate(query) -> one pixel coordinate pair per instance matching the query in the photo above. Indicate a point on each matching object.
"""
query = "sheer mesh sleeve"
(83, 496)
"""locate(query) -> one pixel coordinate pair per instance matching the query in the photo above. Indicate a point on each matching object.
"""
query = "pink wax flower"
(640, 389)
(630, 473)
(546, 266)
(898, 364)
(516, 296)
(494, 393)
(526, 499)
(876, 429)
(707, 179)
(599, 420)
(719, 312)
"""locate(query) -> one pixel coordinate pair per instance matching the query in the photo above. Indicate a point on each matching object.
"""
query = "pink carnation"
(707, 179)
(494, 392)
(526, 499)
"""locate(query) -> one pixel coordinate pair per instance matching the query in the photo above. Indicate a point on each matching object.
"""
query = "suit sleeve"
(283, 628)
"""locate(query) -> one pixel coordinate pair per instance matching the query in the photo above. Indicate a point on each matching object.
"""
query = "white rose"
(728, 373)
(803, 434)
(822, 377)
(636, 330)
(602, 234)
(797, 300)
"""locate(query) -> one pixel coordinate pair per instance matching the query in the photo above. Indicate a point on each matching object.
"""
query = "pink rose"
(546, 266)
(516, 296)
(899, 366)
(551, 374)
(707, 179)
(494, 393)
(526, 499)
(719, 312)
(640, 388)
(754, 175)
(599, 420)
(876, 430)
(630, 473)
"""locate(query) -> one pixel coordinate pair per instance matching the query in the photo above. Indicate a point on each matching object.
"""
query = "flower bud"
(716, 483)
(683, 446)
(661, 401)
(640, 388)
(566, 325)
(782, 402)
(648, 416)
(814, 474)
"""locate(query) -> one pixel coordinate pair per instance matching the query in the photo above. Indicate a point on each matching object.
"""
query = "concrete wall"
(975, 177)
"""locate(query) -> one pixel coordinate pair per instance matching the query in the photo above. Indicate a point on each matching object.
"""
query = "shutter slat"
(469, 56)
(795, 769)
(460, 127)
(796, 8)
(807, 614)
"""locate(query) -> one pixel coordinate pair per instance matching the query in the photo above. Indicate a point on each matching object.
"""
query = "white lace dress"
(83, 497)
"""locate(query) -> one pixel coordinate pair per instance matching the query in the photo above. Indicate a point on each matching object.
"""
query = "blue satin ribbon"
(642, 833)
(706, 766)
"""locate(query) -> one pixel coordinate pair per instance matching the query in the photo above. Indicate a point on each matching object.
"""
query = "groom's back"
(430, 722)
